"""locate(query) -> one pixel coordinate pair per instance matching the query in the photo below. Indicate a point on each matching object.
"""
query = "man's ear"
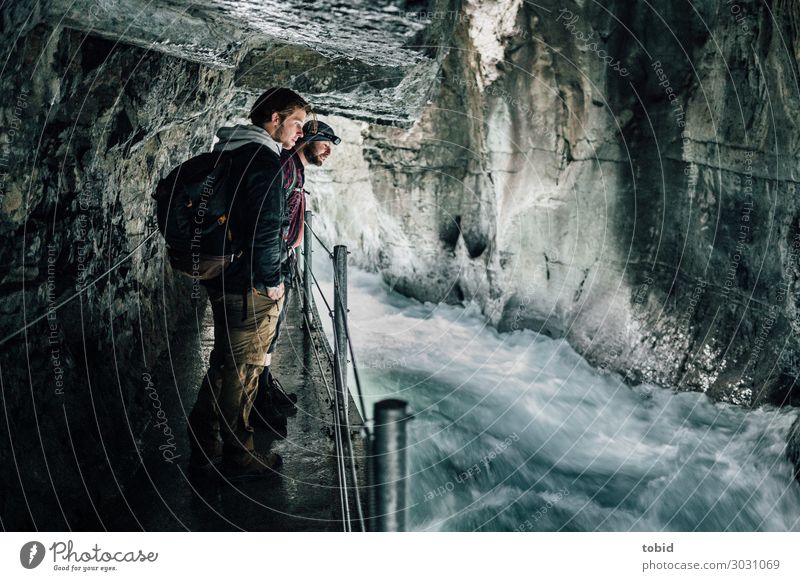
(276, 119)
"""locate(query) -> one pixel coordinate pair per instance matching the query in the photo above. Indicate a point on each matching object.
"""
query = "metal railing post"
(339, 334)
(308, 243)
(389, 466)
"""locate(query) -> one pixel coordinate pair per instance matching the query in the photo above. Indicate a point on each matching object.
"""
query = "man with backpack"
(314, 147)
(248, 296)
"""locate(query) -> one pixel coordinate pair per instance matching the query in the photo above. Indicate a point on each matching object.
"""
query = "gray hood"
(239, 135)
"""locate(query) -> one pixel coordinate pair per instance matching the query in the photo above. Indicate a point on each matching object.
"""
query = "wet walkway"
(303, 495)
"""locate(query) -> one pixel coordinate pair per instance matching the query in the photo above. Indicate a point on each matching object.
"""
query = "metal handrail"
(54, 308)
(342, 428)
(388, 498)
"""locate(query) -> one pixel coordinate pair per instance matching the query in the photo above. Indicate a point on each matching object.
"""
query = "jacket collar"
(239, 135)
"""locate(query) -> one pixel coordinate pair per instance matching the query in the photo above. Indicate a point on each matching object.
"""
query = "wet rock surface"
(622, 177)
(302, 495)
(369, 60)
(89, 128)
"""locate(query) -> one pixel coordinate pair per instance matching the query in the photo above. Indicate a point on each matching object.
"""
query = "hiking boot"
(266, 412)
(202, 467)
(271, 392)
(201, 461)
(259, 464)
(269, 418)
(278, 395)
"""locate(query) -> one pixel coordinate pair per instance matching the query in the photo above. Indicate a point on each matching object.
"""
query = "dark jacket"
(256, 216)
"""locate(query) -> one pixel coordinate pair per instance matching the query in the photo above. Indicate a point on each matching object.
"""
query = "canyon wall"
(622, 177)
(91, 126)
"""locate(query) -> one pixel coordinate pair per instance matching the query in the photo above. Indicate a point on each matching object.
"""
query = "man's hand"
(275, 292)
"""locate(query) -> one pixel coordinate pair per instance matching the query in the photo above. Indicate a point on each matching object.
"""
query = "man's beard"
(312, 157)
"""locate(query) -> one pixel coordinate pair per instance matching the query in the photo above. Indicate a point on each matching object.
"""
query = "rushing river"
(515, 431)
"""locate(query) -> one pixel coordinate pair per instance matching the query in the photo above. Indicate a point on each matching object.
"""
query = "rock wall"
(621, 176)
(90, 125)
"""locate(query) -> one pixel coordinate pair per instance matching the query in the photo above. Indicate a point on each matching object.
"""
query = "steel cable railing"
(339, 445)
(388, 443)
(342, 426)
(49, 310)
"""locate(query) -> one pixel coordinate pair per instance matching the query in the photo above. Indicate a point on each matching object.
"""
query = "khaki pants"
(229, 387)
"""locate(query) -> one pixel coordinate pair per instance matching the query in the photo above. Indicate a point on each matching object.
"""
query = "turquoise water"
(515, 431)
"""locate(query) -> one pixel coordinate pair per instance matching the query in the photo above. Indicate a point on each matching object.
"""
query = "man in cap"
(313, 148)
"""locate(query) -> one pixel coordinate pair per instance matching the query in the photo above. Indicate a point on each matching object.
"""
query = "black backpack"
(193, 206)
